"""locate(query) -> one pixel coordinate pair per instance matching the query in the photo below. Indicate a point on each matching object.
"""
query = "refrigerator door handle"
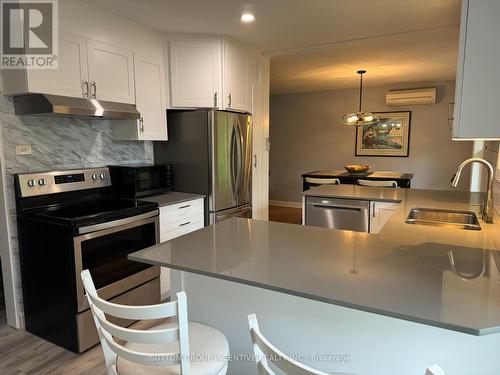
(241, 157)
(238, 212)
(233, 165)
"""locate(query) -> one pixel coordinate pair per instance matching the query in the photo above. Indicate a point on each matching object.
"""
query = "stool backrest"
(108, 331)
(374, 183)
(265, 351)
(322, 181)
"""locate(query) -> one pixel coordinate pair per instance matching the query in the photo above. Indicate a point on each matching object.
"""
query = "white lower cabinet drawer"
(179, 211)
(167, 226)
(181, 227)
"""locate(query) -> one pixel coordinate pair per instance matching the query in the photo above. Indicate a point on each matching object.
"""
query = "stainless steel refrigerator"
(211, 153)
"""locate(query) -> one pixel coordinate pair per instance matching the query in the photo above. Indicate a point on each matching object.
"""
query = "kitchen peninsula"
(344, 290)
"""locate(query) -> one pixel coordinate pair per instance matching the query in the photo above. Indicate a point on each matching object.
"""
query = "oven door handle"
(116, 223)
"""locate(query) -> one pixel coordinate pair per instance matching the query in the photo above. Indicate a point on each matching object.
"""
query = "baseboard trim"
(285, 204)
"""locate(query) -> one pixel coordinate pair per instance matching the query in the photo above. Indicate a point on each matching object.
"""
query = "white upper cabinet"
(478, 76)
(69, 79)
(150, 95)
(111, 72)
(195, 73)
(237, 88)
(209, 73)
(87, 69)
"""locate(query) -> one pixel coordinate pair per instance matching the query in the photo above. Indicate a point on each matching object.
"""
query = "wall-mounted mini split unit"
(426, 95)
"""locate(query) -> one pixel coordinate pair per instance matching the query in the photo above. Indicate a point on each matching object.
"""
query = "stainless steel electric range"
(69, 221)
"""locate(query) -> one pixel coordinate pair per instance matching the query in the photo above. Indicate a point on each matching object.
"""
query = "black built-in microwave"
(141, 180)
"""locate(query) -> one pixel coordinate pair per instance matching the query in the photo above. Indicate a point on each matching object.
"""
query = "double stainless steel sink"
(444, 218)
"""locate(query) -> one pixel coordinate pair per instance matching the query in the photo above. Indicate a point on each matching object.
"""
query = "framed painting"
(388, 137)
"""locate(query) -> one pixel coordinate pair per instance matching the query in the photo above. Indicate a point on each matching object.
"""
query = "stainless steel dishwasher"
(347, 214)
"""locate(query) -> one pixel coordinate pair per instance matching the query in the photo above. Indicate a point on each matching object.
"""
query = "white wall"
(306, 135)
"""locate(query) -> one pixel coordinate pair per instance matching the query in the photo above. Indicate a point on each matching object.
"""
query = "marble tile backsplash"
(58, 143)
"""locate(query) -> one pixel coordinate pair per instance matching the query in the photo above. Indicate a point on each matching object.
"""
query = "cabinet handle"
(373, 210)
(186, 223)
(230, 100)
(215, 99)
(451, 110)
(186, 206)
(141, 122)
(94, 87)
(86, 90)
(255, 160)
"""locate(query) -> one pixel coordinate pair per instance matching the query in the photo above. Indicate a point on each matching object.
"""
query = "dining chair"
(322, 181)
(165, 349)
(373, 183)
(264, 351)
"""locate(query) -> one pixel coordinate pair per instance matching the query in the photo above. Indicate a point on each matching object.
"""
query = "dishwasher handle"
(344, 208)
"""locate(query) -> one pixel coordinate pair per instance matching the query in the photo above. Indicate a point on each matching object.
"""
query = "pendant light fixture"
(360, 118)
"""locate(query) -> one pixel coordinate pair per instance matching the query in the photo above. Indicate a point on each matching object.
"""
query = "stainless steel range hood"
(64, 106)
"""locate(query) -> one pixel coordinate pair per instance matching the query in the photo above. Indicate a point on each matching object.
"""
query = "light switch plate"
(23, 149)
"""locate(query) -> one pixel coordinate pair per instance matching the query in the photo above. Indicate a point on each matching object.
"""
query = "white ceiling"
(400, 40)
(409, 57)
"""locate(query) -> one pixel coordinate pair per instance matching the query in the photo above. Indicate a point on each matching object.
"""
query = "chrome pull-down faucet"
(487, 208)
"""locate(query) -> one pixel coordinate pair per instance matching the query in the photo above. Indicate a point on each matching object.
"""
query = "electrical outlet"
(23, 149)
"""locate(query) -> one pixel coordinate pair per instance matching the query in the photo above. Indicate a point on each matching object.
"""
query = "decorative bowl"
(357, 168)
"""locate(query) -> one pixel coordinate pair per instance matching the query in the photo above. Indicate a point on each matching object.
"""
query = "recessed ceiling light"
(247, 17)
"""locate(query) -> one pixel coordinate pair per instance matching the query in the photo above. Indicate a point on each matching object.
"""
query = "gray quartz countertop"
(444, 197)
(444, 277)
(172, 197)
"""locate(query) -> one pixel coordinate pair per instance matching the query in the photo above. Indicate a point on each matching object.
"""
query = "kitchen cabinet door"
(260, 156)
(380, 213)
(150, 97)
(237, 88)
(478, 77)
(69, 79)
(195, 73)
(111, 72)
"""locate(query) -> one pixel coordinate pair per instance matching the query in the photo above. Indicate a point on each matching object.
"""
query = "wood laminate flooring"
(3, 317)
(283, 214)
(22, 353)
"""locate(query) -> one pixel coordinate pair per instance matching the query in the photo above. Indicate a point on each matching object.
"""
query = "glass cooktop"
(104, 209)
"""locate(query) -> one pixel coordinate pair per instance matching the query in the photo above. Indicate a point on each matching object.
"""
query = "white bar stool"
(165, 349)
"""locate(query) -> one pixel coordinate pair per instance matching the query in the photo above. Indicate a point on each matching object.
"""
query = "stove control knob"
(103, 176)
(94, 176)
(42, 182)
(31, 183)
